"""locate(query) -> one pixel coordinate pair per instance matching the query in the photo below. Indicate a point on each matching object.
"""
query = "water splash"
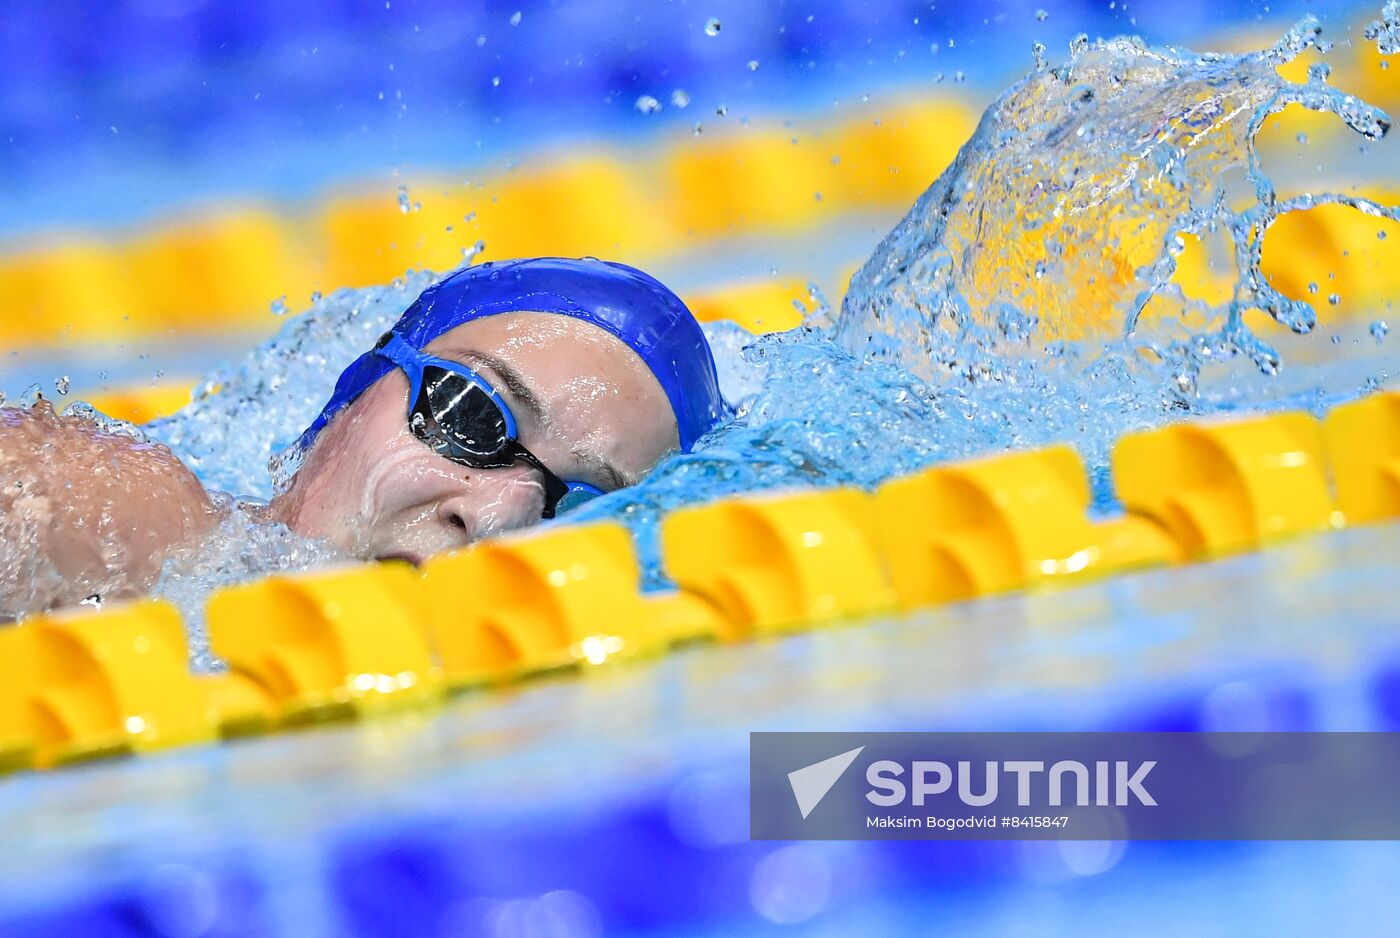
(1027, 297)
(245, 414)
(1386, 30)
(1069, 206)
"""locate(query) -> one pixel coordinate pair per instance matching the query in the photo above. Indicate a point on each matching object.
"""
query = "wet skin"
(84, 512)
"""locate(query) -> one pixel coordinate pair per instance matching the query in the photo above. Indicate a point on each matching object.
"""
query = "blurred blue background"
(110, 112)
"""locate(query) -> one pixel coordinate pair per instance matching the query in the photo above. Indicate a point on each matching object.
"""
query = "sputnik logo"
(811, 783)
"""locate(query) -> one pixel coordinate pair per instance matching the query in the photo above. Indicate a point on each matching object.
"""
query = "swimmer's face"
(585, 404)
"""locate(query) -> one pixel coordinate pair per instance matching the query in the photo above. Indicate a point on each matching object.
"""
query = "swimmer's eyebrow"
(513, 380)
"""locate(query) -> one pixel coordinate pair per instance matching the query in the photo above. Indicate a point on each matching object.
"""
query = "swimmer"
(504, 394)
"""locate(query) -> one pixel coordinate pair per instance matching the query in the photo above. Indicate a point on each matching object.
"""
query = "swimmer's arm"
(85, 513)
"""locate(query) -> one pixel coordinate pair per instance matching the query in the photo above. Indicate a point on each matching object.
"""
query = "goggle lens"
(466, 417)
(460, 421)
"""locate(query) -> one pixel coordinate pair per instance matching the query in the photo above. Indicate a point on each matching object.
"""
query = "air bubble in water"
(712, 26)
(62, 385)
(1041, 15)
(722, 110)
(403, 199)
(679, 98)
(1379, 328)
(646, 104)
(279, 306)
(753, 65)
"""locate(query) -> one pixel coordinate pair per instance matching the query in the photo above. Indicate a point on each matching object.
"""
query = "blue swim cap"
(633, 306)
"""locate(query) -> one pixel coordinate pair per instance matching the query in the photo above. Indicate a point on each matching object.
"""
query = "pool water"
(616, 802)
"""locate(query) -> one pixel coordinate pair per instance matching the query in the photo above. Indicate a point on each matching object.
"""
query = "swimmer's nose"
(499, 500)
(457, 515)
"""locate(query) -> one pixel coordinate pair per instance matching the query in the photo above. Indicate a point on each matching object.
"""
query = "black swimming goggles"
(463, 418)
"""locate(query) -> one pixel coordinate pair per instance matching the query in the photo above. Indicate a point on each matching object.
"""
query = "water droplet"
(722, 110)
(697, 130)
(495, 81)
(1379, 328)
(403, 199)
(1038, 53)
(958, 77)
(1312, 288)
(1334, 298)
(646, 104)
(315, 296)
(1079, 45)
(1041, 15)
(753, 65)
(712, 26)
(679, 98)
(1302, 138)
(279, 305)
(1380, 235)
(515, 18)
(62, 385)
